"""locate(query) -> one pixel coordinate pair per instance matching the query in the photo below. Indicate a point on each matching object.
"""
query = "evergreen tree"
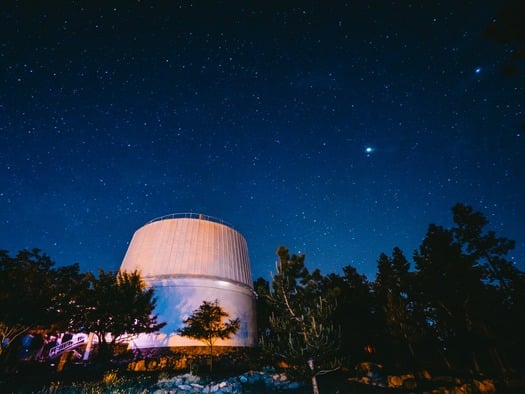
(303, 334)
(263, 307)
(392, 288)
(506, 28)
(460, 273)
(354, 313)
(28, 284)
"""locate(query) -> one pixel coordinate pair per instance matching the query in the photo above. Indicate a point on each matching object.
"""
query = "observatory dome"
(188, 259)
(189, 246)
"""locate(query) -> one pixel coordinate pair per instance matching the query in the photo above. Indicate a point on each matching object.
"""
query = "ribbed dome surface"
(189, 246)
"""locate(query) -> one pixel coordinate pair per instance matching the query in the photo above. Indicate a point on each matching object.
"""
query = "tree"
(206, 325)
(67, 290)
(392, 291)
(354, 312)
(27, 293)
(507, 29)
(358, 315)
(263, 307)
(463, 280)
(301, 322)
(115, 305)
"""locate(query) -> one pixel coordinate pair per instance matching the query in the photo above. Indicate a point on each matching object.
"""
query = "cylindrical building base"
(178, 297)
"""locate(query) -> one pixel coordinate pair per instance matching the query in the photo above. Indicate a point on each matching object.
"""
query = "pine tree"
(463, 281)
(301, 322)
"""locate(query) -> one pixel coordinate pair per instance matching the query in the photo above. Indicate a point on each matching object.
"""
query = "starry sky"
(339, 129)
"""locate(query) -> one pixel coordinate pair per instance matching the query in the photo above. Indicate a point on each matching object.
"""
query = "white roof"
(189, 247)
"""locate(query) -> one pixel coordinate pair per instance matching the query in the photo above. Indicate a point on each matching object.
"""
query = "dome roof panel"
(194, 246)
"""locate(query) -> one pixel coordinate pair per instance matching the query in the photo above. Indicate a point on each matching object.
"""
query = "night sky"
(337, 129)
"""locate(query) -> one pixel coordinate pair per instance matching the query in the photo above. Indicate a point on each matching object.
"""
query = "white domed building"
(188, 259)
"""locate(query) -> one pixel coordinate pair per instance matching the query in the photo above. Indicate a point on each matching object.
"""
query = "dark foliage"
(114, 305)
(507, 28)
(459, 310)
(302, 330)
(37, 298)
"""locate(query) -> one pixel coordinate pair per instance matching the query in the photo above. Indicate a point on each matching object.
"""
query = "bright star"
(477, 70)
(369, 150)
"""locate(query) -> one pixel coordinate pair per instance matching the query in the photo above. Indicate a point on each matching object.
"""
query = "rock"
(484, 386)
(463, 389)
(243, 379)
(394, 381)
(190, 378)
(294, 386)
(189, 384)
(283, 377)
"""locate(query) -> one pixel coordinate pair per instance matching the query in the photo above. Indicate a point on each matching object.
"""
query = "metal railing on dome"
(68, 345)
(191, 215)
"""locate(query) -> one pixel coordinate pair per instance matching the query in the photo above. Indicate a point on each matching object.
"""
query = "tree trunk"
(498, 360)
(475, 363)
(211, 359)
(315, 387)
(88, 346)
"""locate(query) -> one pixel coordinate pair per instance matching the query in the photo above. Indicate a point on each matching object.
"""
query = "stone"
(484, 386)
(190, 384)
(243, 379)
(294, 386)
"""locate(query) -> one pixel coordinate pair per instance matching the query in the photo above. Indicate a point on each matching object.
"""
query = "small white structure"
(188, 259)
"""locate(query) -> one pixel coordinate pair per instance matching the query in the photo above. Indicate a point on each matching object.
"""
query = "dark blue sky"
(260, 113)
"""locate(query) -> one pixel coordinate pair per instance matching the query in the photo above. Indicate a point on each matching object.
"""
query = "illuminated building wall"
(190, 258)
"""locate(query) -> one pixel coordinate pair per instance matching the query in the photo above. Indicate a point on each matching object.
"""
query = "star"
(235, 122)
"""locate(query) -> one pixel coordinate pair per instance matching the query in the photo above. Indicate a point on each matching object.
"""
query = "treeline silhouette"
(39, 302)
(458, 309)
